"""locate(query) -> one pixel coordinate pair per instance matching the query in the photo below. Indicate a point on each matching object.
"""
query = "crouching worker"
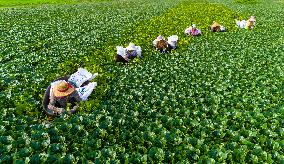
(216, 27)
(71, 91)
(247, 24)
(163, 45)
(192, 30)
(130, 52)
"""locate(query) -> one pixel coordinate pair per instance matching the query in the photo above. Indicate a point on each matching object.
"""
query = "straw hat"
(62, 89)
(131, 46)
(215, 24)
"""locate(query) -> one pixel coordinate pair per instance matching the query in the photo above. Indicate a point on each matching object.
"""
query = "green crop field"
(217, 98)
(21, 3)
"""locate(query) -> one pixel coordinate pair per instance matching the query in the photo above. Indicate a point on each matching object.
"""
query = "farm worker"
(71, 91)
(249, 24)
(216, 27)
(172, 40)
(121, 55)
(192, 30)
(165, 45)
(161, 44)
(133, 51)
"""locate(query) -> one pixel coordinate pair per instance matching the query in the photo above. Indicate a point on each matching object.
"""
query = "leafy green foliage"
(10, 3)
(218, 98)
(245, 1)
(82, 39)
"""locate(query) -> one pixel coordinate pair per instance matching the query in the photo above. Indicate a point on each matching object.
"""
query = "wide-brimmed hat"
(160, 37)
(62, 89)
(131, 46)
(215, 24)
(252, 19)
